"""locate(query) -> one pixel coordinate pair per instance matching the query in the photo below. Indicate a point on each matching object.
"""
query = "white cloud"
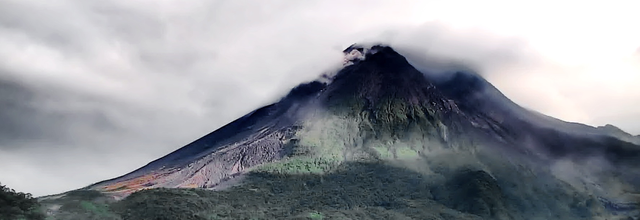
(141, 78)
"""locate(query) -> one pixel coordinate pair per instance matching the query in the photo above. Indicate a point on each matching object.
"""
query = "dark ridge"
(621, 152)
(389, 92)
(560, 145)
(383, 75)
(305, 90)
(462, 85)
(391, 62)
(613, 130)
(477, 97)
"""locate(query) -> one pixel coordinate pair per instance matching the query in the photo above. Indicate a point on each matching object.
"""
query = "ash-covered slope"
(259, 137)
(480, 154)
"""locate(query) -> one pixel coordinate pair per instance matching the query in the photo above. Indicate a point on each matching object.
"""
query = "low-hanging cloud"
(93, 89)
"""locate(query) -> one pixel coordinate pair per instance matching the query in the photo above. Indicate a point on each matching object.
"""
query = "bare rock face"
(259, 137)
(208, 171)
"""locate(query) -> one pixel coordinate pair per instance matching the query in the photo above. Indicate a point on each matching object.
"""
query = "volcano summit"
(381, 139)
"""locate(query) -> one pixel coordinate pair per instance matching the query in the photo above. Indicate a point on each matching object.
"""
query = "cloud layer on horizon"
(92, 89)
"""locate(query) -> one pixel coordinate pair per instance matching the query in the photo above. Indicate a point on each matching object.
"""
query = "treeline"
(18, 205)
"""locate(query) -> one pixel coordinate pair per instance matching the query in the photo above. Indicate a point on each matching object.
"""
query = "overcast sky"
(93, 89)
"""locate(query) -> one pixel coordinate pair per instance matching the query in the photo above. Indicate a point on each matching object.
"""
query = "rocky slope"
(462, 148)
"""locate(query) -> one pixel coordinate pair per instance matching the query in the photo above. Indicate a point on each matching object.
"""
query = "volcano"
(394, 142)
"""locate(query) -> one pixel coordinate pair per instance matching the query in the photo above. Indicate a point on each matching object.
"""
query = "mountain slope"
(458, 144)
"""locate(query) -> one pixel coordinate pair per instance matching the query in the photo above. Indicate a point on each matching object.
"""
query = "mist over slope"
(385, 124)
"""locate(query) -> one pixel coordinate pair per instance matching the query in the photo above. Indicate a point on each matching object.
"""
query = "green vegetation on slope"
(299, 165)
(352, 190)
(17, 205)
(81, 205)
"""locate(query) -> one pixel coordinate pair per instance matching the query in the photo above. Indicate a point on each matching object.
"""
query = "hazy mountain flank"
(381, 140)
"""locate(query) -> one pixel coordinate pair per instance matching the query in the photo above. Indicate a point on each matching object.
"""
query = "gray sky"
(90, 89)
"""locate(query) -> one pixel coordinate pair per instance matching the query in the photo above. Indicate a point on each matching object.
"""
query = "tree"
(18, 205)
